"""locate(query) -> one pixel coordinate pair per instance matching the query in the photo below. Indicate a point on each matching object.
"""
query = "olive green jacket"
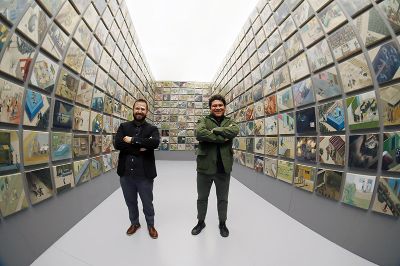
(209, 136)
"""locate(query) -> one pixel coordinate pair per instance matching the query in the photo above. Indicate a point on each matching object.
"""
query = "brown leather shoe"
(153, 232)
(132, 229)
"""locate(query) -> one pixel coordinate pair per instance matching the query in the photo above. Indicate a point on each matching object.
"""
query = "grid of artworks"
(323, 80)
(178, 107)
(70, 72)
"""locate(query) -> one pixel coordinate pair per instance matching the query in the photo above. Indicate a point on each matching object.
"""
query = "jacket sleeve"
(205, 135)
(120, 144)
(229, 132)
(149, 143)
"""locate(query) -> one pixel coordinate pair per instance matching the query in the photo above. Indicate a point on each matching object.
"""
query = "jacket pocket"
(202, 162)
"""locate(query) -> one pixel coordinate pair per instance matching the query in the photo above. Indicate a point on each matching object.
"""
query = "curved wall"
(70, 71)
(315, 88)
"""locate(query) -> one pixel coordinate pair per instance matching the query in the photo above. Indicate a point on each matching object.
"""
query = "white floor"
(260, 235)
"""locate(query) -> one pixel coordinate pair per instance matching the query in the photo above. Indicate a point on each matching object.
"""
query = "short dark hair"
(216, 97)
(142, 101)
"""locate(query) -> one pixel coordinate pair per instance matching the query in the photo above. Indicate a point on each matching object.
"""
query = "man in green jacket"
(215, 133)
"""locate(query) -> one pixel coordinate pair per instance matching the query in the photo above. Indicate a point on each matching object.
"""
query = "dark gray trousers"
(131, 187)
(204, 183)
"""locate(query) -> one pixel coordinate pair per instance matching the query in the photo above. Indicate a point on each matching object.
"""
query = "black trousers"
(131, 187)
(204, 183)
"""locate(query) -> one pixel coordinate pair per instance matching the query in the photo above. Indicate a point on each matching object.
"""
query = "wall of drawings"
(314, 85)
(70, 71)
(177, 108)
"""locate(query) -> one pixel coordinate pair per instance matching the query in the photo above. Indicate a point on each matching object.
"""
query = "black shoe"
(223, 230)
(197, 229)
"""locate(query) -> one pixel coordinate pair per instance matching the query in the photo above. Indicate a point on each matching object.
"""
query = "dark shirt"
(220, 165)
(134, 162)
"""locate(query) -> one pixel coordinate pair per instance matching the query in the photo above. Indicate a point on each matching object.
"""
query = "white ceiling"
(187, 40)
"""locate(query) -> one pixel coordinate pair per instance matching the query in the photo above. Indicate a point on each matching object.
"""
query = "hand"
(142, 149)
(127, 139)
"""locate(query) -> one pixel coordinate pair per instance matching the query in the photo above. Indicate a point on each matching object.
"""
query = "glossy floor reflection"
(260, 234)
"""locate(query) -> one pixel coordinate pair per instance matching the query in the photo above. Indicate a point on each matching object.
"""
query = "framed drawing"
(63, 177)
(328, 184)
(12, 193)
(358, 190)
(37, 109)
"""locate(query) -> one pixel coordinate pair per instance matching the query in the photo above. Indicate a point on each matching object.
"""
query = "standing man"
(215, 133)
(136, 141)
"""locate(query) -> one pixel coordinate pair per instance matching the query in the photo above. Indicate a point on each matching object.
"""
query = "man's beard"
(143, 117)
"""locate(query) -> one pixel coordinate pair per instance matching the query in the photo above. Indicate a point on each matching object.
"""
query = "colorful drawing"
(39, 185)
(81, 171)
(95, 144)
(12, 194)
(355, 73)
(17, 58)
(328, 184)
(304, 177)
(299, 67)
(271, 146)
(362, 111)
(271, 125)
(34, 23)
(285, 123)
(270, 167)
(259, 145)
(10, 102)
(326, 84)
(306, 148)
(61, 146)
(386, 62)
(63, 177)
(98, 100)
(35, 147)
(286, 146)
(285, 171)
(44, 73)
(258, 163)
(81, 118)
(80, 145)
(344, 42)
(63, 115)
(331, 17)
(68, 85)
(331, 117)
(358, 190)
(390, 100)
(10, 158)
(311, 32)
(96, 122)
(387, 197)
(391, 152)
(364, 151)
(285, 99)
(319, 55)
(332, 150)
(107, 162)
(370, 26)
(303, 93)
(96, 166)
(305, 120)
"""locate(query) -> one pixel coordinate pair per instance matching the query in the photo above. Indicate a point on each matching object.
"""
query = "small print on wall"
(358, 190)
(329, 183)
(39, 185)
(387, 197)
(12, 194)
